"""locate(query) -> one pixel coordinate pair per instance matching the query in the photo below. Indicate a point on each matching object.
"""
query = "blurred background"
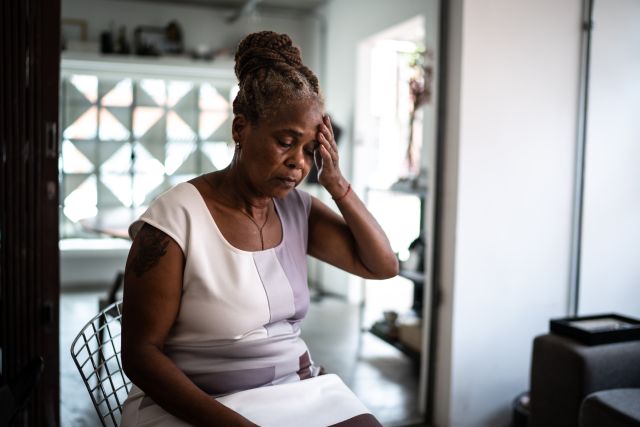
(496, 142)
(145, 102)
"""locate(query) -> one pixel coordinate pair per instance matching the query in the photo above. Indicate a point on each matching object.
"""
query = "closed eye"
(311, 149)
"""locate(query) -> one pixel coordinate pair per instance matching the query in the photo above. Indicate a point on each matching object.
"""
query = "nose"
(296, 159)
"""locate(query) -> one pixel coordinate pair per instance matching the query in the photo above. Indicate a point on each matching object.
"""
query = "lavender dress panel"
(293, 253)
(280, 328)
(208, 356)
(276, 285)
(219, 369)
(217, 383)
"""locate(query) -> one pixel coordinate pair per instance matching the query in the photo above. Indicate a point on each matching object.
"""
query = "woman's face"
(277, 153)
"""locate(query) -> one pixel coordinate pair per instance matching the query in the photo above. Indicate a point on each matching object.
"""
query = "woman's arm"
(354, 242)
(153, 287)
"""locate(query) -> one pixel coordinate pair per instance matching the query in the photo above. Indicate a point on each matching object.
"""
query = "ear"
(239, 128)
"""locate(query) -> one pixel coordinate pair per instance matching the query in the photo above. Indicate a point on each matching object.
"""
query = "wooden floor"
(382, 377)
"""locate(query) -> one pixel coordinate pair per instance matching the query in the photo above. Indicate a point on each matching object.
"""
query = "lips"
(288, 181)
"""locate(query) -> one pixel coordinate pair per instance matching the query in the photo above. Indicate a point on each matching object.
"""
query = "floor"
(76, 410)
(382, 377)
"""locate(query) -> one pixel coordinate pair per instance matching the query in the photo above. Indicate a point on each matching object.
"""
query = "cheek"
(267, 158)
(308, 164)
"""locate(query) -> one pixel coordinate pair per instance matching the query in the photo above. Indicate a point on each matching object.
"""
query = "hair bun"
(265, 49)
(270, 71)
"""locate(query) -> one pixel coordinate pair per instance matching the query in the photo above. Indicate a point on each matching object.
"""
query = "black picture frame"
(150, 41)
(597, 329)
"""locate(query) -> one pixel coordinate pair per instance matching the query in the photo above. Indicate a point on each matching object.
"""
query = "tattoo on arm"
(152, 246)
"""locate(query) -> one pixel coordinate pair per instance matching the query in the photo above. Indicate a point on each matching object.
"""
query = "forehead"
(303, 116)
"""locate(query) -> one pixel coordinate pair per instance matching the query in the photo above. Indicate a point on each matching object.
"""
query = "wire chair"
(96, 353)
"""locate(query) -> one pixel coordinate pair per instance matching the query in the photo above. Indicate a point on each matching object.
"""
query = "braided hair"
(270, 72)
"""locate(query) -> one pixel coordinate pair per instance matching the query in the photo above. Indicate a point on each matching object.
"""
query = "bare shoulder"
(150, 245)
(153, 276)
(201, 184)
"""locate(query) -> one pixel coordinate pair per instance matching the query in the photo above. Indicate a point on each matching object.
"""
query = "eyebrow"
(296, 133)
(291, 131)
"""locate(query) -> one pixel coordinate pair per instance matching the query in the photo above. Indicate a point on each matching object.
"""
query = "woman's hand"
(327, 161)
(354, 242)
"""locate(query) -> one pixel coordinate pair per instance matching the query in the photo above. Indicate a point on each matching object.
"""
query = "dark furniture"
(15, 394)
(619, 407)
(573, 384)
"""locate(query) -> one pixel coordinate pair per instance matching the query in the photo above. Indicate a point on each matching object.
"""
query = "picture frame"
(157, 41)
(150, 41)
(597, 329)
(72, 30)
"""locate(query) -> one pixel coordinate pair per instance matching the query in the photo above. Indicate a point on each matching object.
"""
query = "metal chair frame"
(96, 353)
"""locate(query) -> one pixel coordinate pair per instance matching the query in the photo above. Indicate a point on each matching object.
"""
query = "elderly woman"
(216, 281)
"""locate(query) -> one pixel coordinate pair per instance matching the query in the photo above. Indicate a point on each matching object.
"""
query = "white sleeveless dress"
(238, 327)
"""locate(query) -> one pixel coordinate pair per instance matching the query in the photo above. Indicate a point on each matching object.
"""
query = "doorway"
(382, 359)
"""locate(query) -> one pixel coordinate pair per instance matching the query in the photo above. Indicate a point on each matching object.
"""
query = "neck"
(238, 193)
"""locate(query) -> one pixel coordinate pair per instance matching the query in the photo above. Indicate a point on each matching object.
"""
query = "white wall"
(510, 140)
(610, 268)
(200, 25)
(348, 23)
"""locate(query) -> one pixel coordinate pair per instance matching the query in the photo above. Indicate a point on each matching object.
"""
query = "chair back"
(96, 353)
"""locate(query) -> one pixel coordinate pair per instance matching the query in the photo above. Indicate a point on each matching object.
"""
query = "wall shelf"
(164, 67)
(383, 331)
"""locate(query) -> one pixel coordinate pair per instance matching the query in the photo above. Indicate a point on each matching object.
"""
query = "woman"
(215, 283)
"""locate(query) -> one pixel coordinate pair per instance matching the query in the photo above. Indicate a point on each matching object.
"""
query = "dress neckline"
(203, 204)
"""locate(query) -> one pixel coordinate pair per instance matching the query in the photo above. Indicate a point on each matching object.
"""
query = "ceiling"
(247, 6)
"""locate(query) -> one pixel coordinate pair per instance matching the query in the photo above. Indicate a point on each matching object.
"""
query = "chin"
(282, 188)
(282, 193)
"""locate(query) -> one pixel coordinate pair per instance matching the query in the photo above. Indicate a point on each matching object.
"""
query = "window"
(126, 140)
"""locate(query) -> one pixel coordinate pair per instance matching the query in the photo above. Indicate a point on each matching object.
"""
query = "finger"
(332, 142)
(331, 148)
(327, 159)
(326, 128)
(327, 122)
(332, 133)
(328, 133)
(323, 141)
